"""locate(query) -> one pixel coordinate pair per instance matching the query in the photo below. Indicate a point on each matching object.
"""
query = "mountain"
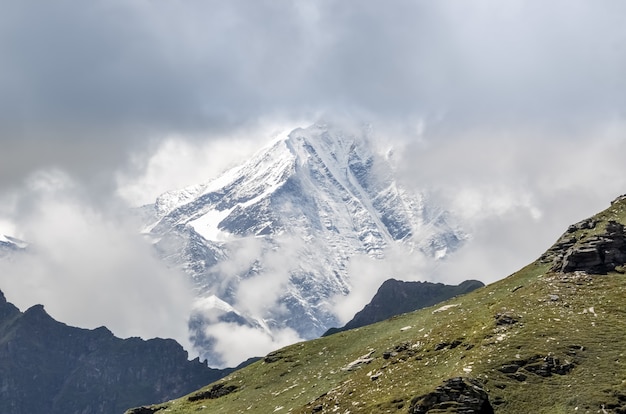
(49, 367)
(269, 244)
(395, 297)
(546, 339)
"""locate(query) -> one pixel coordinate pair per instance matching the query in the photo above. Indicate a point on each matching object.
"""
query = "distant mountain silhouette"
(49, 367)
(395, 297)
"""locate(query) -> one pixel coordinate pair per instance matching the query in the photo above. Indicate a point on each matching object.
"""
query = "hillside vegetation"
(541, 340)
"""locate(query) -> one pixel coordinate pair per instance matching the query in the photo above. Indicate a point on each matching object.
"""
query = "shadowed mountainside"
(395, 297)
(49, 367)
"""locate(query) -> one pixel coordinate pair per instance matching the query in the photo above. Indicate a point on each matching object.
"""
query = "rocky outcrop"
(506, 318)
(619, 199)
(395, 297)
(456, 395)
(49, 367)
(543, 366)
(597, 254)
(216, 391)
(143, 410)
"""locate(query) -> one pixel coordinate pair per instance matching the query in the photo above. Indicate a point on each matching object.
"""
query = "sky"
(510, 114)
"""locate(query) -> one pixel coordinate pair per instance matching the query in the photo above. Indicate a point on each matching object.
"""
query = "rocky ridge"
(395, 297)
(49, 367)
(456, 395)
(590, 246)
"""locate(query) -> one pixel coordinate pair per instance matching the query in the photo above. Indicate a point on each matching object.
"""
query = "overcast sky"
(511, 114)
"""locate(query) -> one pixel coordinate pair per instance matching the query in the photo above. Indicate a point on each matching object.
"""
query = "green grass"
(557, 315)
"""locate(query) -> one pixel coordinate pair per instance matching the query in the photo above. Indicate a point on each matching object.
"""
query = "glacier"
(268, 243)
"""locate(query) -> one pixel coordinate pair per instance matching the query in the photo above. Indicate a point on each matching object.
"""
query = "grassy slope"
(585, 325)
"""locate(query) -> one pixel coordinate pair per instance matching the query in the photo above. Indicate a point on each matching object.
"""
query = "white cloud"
(367, 274)
(177, 163)
(515, 188)
(91, 269)
(236, 343)
(181, 160)
(259, 293)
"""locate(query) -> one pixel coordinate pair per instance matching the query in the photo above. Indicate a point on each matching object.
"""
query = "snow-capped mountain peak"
(272, 239)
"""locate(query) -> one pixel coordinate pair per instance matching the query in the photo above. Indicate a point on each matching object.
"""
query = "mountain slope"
(274, 237)
(395, 297)
(547, 339)
(49, 367)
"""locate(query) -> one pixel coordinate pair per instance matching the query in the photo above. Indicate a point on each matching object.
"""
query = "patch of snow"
(171, 200)
(445, 308)
(207, 225)
(213, 302)
(13, 241)
(220, 182)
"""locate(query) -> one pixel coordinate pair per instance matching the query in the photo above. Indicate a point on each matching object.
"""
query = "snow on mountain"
(268, 244)
(10, 245)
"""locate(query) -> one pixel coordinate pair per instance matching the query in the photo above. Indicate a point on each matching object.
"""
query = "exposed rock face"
(143, 410)
(597, 254)
(543, 366)
(49, 367)
(216, 391)
(395, 297)
(506, 319)
(456, 395)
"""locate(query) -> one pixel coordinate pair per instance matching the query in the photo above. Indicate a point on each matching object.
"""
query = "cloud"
(261, 292)
(514, 189)
(233, 341)
(176, 161)
(89, 268)
(86, 83)
(367, 274)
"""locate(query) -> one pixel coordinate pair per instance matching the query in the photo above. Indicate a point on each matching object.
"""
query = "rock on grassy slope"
(547, 339)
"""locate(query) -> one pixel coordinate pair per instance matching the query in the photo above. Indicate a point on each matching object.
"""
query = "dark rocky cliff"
(49, 367)
(395, 297)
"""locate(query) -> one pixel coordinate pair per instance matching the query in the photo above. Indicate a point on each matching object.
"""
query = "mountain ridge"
(48, 366)
(395, 297)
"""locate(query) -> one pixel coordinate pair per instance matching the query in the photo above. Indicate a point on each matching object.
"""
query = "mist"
(90, 267)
